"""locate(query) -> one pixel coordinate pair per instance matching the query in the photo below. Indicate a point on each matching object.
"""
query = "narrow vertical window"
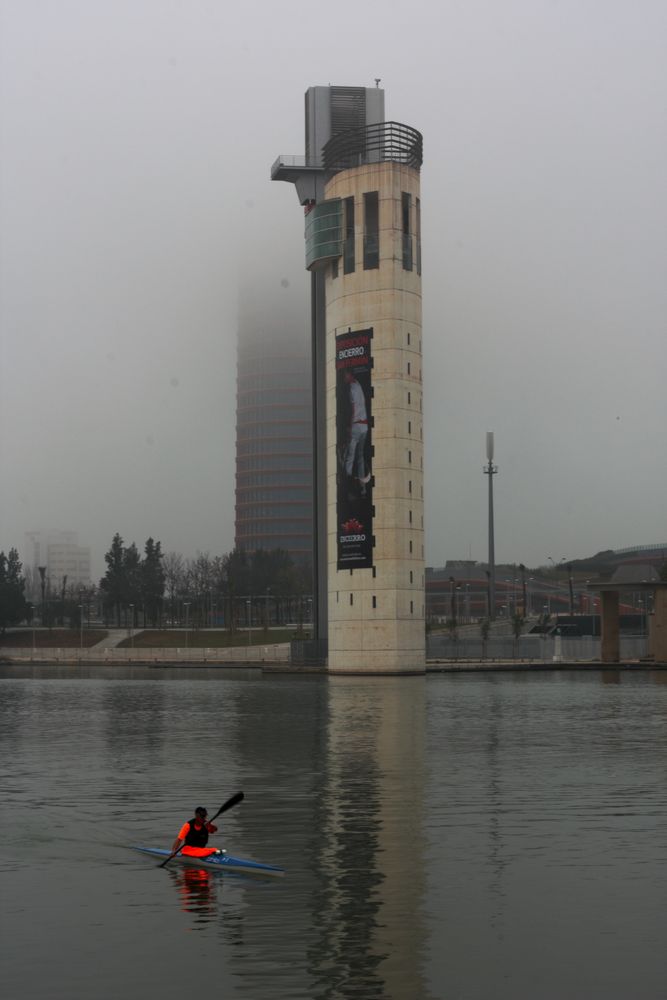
(371, 231)
(406, 234)
(412, 607)
(410, 576)
(348, 243)
(418, 233)
(375, 601)
(351, 599)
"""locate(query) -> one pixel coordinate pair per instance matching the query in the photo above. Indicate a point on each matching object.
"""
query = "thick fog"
(135, 206)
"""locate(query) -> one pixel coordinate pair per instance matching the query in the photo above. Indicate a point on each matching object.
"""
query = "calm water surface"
(489, 836)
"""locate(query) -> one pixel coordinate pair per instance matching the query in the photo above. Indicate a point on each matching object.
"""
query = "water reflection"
(197, 891)
(367, 904)
(423, 823)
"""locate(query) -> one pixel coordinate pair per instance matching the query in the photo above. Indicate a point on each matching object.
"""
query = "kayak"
(216, 862)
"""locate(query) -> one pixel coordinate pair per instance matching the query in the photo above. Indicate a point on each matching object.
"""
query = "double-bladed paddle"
(235, 799)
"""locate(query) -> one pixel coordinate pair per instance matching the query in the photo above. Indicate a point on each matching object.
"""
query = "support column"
(658, 632)
(611, 648)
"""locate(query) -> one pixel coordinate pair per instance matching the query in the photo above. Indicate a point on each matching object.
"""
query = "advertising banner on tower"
(354, 449)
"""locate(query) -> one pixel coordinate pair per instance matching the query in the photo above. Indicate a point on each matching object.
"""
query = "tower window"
(412, 607)
(375, 601)
(348, 243)
(351, 599)
(371, 231)
(406, 234)
(409, 486)
(410, 576)
(418, 233)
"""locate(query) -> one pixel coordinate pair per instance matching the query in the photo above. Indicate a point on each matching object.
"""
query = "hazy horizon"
(136, 209)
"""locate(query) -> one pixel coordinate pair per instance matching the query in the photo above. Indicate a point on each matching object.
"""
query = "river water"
(456, 836)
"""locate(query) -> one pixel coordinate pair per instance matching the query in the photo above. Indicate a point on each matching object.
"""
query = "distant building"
(274, 506)
(61, 554)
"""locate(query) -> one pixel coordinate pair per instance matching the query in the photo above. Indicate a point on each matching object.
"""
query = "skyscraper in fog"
(274, 507)
(359, 185)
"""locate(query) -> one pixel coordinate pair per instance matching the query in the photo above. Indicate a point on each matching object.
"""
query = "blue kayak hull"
(216, 862)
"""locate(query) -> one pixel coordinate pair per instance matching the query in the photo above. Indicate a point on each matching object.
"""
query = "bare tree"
(174, 575)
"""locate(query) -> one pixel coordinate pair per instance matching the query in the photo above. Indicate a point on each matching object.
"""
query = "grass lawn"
(206, 639)
(53, 638)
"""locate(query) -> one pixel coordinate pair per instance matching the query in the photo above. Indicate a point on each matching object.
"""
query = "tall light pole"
(248, 607)
(32, 619)
(186, 605)
(81, 626)
(131, 626)
(490, 470)
(557, 566)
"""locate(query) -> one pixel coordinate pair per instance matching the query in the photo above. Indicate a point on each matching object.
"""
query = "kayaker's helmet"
(200, 811)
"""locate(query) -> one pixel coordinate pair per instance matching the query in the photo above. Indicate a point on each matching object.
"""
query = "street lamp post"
(186, 605)
(490, 470)
(248, 605)
(81, 626)
(131, 626)
(32, 619)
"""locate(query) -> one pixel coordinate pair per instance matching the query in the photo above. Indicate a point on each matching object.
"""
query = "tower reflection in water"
(334, 773)
(367, 908)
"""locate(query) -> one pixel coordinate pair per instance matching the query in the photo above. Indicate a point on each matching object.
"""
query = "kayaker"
(193, 835)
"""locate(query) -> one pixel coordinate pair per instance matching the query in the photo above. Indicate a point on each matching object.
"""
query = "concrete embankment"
(490, 666)
(232, 656)
(276, 658)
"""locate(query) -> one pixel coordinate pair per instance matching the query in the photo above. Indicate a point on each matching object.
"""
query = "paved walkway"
(115, 636)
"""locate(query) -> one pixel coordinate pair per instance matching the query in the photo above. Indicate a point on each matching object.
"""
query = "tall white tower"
(360, 190)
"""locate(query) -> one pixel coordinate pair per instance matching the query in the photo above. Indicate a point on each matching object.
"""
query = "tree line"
(166, 589)
(13, 605)
(154, 589)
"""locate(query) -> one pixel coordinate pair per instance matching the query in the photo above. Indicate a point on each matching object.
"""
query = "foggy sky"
(136, 143)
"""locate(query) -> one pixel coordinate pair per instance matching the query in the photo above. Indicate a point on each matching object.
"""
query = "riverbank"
(163, 656)
(275, 658)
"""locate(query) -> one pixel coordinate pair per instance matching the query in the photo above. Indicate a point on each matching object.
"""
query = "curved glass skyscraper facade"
(274, 440)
